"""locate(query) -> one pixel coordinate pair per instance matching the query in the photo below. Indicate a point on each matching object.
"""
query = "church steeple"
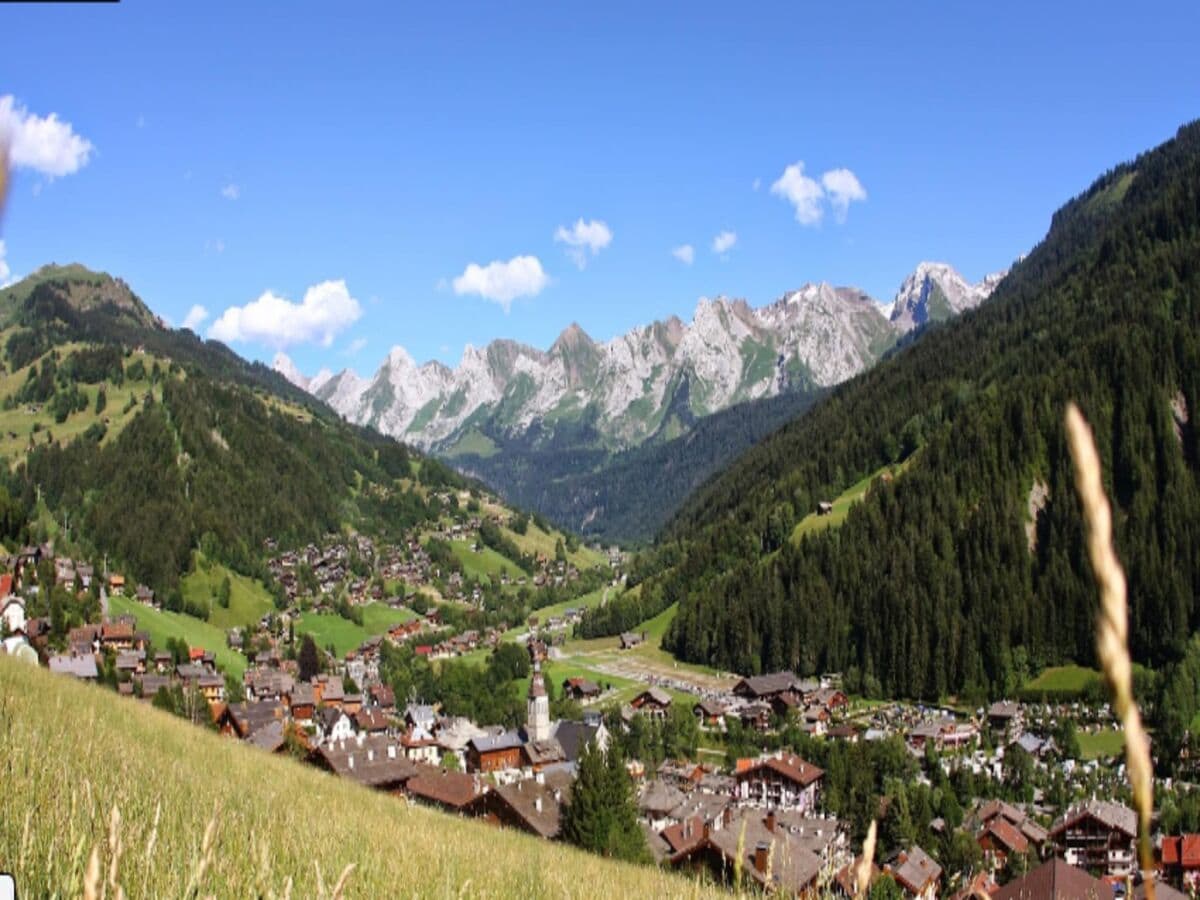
(537, 716)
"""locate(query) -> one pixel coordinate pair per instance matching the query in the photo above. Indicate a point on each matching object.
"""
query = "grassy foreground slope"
(75, 752)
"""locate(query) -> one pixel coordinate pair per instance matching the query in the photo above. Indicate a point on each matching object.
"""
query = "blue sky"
(366, 157)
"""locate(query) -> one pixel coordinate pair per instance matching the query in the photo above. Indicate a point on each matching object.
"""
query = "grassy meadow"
(330, 628)
(162, 625)
(171, 810)
(249, 601)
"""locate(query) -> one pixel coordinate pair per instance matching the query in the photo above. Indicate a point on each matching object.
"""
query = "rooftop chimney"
(762, 852)
(370, 756)
(771, 820)
(350, 761)
(537, 804)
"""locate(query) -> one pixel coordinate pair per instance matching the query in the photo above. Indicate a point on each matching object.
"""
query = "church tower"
(537, 716)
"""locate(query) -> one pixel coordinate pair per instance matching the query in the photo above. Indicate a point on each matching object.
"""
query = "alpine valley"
(586, 431)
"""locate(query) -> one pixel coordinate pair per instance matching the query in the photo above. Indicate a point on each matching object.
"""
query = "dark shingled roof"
(1055, 880)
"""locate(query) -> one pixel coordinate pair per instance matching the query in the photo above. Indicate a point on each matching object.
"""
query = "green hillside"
(191, 447)
(932, 585)
(277, 827)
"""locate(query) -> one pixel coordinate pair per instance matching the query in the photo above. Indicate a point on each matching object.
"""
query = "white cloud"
(215, 245)
(231, 191)
(503, 282)
(582, 237)
(45, 144)
(802, 192)
(756, 184)
(196, 315)
(685, 253)
(326, 311)
(844, 188)
(355, 346)
(5, 271)
(724, 242)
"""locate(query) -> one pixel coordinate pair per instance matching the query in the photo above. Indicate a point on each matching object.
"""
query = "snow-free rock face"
(816, 336)
(936, 292)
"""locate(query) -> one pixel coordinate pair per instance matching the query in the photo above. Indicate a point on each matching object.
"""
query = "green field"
(330, 628)
(535, 541)
(248, 599)
(19, 421)
(484, 564)
(1104, 743)
(275, 827)
(1062, 680)
(162, 625)
(814, 524)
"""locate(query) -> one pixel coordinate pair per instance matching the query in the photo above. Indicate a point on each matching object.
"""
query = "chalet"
(540, 754)
(1005, 718)
(831, 699)
(163, 662)
(83, 640)
(383, 697)
(756, 716)
(451, 791)
(151, 684)
(572, 737)
(81, 667)
(766, 687)
(421, 746)
(332, 724)
(144, 595)
(421, 716)
(656, 802)
(495, 753)
(1179, 859)
(779, 781)
(302, 702)
(1056, 879)
(1034, 745)
(455, 734)
(352, 703)
(755, 845)
(12, 612)
(1000, 828)
(580, 689)
(1097, 835)
(131, 662)
(653, 702)
(917, 873)
(945, 733)
(533, 805)
(116, 583)
(629, 640)
(371, 721)
(375, 762)
(709, 712)
(1000, 839)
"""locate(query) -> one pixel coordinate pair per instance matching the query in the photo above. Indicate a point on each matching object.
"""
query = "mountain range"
(625, 389)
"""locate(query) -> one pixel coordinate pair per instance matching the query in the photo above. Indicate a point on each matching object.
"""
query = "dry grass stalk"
(114, 851)
(91, 878)
(862, 872)
(340, 887)
(1112, 628)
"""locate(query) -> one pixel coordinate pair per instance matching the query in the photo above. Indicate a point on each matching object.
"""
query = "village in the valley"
(734, 793)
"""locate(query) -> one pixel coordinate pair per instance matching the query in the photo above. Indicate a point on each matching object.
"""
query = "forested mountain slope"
(629, 496)
(935, 584)
(148, 443)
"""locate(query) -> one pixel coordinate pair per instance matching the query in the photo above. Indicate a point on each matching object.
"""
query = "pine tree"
(310, 660)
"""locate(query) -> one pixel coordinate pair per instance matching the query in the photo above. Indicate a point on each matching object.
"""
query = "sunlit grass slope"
(72, 753)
